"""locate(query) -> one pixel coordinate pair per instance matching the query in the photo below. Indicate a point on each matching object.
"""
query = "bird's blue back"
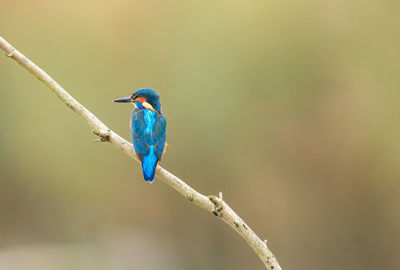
(149, 131)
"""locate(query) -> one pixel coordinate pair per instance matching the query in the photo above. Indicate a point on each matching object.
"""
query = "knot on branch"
(218, 204)
(103, 134)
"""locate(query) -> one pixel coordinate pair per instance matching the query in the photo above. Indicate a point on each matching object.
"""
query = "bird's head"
(145, 98)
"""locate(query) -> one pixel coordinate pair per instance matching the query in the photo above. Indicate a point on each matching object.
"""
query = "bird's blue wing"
(148, 137)
(160, 135)
(137, 131)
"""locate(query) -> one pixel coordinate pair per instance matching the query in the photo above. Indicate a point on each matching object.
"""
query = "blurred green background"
(291, 108)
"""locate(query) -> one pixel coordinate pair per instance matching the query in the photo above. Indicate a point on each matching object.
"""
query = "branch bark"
(211, 203)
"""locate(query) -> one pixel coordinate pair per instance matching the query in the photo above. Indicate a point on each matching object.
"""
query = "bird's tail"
(149, 164)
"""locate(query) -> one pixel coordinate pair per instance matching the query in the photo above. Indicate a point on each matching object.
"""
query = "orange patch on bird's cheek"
(141, 99)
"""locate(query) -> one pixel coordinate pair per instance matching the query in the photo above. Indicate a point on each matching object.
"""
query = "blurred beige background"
(290, 108)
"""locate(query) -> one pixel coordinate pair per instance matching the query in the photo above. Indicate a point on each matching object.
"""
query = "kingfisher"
(148, 129)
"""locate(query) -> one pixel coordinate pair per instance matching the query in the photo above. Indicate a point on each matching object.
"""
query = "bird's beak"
(124, 99)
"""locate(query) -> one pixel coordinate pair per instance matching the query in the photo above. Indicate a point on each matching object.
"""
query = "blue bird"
(148, 129)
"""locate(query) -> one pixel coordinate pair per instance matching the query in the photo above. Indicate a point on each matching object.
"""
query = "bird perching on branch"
(209, 203)
(148, 129)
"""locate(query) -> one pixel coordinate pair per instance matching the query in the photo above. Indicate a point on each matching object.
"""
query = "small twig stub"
(104, 136)
(218, 203)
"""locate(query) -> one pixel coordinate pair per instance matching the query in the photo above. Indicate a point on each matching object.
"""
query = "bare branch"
(211, 203)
